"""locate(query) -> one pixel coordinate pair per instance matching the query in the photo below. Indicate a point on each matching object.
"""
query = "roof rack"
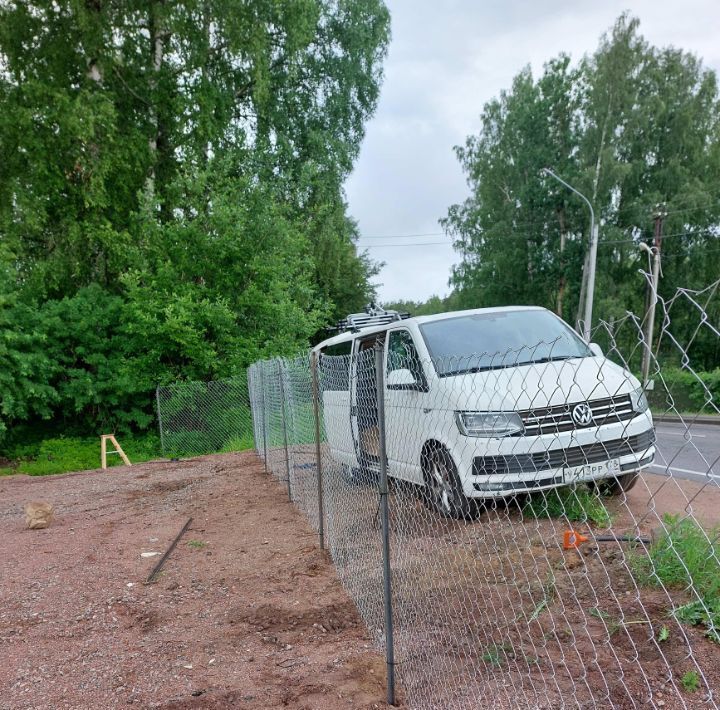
(371, 317)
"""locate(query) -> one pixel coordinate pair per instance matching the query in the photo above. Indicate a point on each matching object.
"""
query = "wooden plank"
(104, 438)
(118, 448)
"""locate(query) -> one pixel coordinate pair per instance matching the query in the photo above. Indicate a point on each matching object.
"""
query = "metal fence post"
(318, 456)
(284, 426)
(162, 436)
(385, 514)
(264, 414)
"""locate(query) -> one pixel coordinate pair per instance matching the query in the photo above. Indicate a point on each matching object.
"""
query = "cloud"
(446, 60)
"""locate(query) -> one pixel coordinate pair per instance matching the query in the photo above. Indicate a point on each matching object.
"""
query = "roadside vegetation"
(685, 557)
(171, 199)
(572, 503)
(74, 453)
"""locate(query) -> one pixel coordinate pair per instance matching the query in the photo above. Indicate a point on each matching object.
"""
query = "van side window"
(402, 354)
(334, 367)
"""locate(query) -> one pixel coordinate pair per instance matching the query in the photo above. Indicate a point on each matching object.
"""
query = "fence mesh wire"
(551, 545)
(205, 417)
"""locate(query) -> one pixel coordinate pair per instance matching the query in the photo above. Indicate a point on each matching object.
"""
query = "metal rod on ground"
(161, 561)
(284, 426)
(385, 515)
(162, 437)
(264, 414)
(318, 457)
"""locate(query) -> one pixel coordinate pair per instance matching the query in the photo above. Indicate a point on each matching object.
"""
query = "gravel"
(247, 611)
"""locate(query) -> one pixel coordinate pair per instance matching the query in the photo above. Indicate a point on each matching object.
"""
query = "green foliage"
(576, 504)
(60, 455)
(496, 654)
(686, 557)
(630, 126)
(238, 443)
(202, 418)
(24, 365)
(690, 681)
(685, 391)
(433, 305)
(171, 193)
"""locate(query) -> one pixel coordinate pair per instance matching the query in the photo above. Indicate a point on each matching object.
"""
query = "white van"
(485, 403)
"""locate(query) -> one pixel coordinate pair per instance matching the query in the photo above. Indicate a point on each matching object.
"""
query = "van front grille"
(556, 419)
(559, 458)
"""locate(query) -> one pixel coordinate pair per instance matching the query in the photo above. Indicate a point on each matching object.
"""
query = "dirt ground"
(247, 612)
(513, 620)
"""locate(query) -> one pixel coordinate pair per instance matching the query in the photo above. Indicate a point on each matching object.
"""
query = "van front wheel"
(617, 485)
(443, 491)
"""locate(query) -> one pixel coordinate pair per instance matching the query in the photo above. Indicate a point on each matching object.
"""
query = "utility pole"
(591, 258)
(659, 216)
(592, 262)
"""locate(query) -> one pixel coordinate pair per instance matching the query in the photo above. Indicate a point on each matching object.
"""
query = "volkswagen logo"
(582, 414)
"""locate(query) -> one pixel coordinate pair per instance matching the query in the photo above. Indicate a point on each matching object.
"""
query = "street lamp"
(654, 254)
(592, 261)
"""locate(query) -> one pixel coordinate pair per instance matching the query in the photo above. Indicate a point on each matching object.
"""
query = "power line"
(403, 236)
(417, 244)
(665, 236)
(601, 243)
(545, 219)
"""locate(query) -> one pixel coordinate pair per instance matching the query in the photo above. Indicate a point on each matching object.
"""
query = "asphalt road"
(691, 452)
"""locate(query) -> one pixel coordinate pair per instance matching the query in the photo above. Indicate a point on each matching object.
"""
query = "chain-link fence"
(525, 562)
(205, 417)
(544, 540)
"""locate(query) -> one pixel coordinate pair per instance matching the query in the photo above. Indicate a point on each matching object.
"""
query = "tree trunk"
(157, 39)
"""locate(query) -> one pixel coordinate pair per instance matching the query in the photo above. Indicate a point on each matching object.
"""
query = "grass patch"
(496, 653)
(574, 503)
(686, 557)
(63, 454)
(690, 681)
(197, 544)
(238, 443)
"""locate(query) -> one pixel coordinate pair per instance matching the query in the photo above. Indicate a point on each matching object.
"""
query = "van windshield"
(489, 341)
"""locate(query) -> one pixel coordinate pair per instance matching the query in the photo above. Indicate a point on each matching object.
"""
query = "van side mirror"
(401, 380)
(596, 350)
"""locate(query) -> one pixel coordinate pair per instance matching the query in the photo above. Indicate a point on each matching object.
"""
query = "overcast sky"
(446, 59)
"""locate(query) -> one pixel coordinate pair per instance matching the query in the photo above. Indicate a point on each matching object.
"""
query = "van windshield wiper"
(473, 370)
(485, 368)
(541, 360)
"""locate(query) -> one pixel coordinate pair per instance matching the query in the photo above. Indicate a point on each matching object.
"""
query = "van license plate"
(590, 471)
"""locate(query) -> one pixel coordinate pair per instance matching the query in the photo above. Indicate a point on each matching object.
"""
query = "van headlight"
(489, 423)
(638, 400)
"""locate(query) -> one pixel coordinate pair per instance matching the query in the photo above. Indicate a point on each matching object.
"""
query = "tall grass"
(572, 503)
(63, 454)
(686, 557)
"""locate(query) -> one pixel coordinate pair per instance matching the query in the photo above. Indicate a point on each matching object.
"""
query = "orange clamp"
(573, 539)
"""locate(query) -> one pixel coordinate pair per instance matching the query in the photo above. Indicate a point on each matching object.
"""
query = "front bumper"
(509, 473)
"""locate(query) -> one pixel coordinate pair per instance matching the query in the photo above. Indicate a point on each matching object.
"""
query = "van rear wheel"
(443, 491)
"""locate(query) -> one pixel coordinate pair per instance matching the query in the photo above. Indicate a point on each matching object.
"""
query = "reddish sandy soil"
(247, 612)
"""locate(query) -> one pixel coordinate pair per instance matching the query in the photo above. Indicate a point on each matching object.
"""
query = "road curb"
(688, 418)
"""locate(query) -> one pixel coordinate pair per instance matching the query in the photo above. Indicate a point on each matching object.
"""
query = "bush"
(685, 391)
